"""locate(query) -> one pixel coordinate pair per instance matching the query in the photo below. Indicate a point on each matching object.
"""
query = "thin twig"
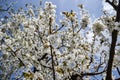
(118, 70)
(93, 73)
(13, 53)
(5, 9)
(45, 66)
(58, 29)
(79, 30)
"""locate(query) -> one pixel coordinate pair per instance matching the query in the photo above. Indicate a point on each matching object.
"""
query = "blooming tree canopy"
(34, 46)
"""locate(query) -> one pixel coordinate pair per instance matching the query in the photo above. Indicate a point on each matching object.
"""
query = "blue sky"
(94, 7)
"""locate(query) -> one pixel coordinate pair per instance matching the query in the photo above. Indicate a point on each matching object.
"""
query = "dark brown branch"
(72, 27)
(50, 27)
(92, 74)
(118, 70)
(43, 57)
(75, 77)
(119, 3)
(111, 55)
(63, 46)
(21, 61)
(79, 30)
(112, 4)
(5, 9)
(58, 29)
(99, 66)
(52, 62)
(51, 51)
(13, 53)
(114, 40)
(45, 66)
(81, 75)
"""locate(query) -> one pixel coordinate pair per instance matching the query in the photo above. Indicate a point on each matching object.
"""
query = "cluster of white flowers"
(109, 22)
(117, 26)
(98, 26)
(27, 40)
(84, 21)
(28, 36)
(64, 22)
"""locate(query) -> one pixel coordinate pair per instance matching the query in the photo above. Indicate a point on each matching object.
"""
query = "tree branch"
(111, 55)
(13, 53)
(45, 66)
(43, 57)
(79, 30)
(5, 9)
(81, 75)
(119, 3)
(118, 70)
(92, 74)
(52, 62)
(112, 4)
(58, 29)
(113, 42)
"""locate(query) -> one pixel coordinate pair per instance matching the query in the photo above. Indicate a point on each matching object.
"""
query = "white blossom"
(64, 22)
(84, 21)
(117, 26)
(98, 27)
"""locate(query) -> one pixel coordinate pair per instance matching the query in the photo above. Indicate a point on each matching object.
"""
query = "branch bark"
(52, 62)
(112, 4)
(111, 55)
(114, 40)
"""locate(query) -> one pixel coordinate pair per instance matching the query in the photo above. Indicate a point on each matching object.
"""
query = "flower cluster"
(37, 46)
(109, 22)
(117, 26)
(98, 27)
(84, 21)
